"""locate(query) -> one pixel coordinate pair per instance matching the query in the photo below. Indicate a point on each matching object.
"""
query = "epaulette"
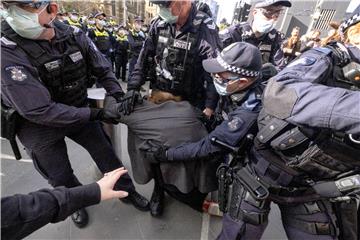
(202, 17)
(7, 43)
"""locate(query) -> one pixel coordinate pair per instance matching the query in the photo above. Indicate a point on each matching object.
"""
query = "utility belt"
(9, 124)
(245, 186)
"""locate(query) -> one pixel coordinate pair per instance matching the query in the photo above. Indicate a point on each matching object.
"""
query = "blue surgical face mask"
(221, 85)
(167, 16)
(102, 23)
(25, 23)
(74, 18)
(262, 25)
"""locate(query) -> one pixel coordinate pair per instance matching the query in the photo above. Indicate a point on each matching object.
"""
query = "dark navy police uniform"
(302, 153)
(121, 56)
(162, 57)
(45, 82)
(136, 40)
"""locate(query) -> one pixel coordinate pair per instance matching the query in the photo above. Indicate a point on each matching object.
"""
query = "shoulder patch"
(304, 61)
(234, 124)
(16, 73)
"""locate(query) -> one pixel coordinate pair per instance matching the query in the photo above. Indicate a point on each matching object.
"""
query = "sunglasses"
(220, 79)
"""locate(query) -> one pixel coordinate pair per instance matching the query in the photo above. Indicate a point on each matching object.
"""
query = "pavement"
(112, 219)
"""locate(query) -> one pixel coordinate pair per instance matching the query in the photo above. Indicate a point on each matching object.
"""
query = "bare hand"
(107, 183)
(208, 112)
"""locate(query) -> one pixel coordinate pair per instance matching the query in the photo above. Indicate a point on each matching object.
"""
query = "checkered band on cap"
(351, 21)
(237, 70)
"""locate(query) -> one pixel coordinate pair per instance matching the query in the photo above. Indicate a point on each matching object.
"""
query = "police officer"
(45, 82)
(22, 214)
(261, 32)
(121, 53)
(101, 37)
(136, 39)
(73, 19)
(305, 155)
(179, 39)
(90, 23)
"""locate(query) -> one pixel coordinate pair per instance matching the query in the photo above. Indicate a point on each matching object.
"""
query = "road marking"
(11, 157)
(205, 226)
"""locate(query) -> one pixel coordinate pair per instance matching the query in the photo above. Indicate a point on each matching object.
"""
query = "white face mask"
(74, 18)
(167, 16)
(137, 26)
(222, 87)
(262, 25)
(102, 23)
(91, 22)
(25, 23)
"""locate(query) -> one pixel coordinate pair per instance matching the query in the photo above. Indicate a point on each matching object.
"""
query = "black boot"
(80, 218)
(157, 202)
(139, 202)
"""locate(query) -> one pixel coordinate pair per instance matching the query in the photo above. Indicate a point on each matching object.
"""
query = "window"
(325, 18)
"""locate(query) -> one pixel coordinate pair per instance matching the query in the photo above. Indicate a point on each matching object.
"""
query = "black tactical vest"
(138, 39)
(176, 61)
(265, 44)
(65, 75)
(102, 40)
(314, 154)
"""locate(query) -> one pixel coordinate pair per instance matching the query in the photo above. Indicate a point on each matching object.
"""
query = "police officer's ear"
(52, 8)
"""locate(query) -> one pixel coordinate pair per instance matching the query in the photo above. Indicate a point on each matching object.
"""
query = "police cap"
(267, 3)
(355, 18)
(74, 12)
(99, 14)
(138, 19)
(240, 58)
(161, 3)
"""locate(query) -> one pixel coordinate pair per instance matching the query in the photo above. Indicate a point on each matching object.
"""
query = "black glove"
(156, 153)
(129, 100)
(118, 96)
(268, 70)
(109, 113)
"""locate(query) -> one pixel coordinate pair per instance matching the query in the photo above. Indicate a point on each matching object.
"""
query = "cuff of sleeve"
(95, 114)
(86, 195)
